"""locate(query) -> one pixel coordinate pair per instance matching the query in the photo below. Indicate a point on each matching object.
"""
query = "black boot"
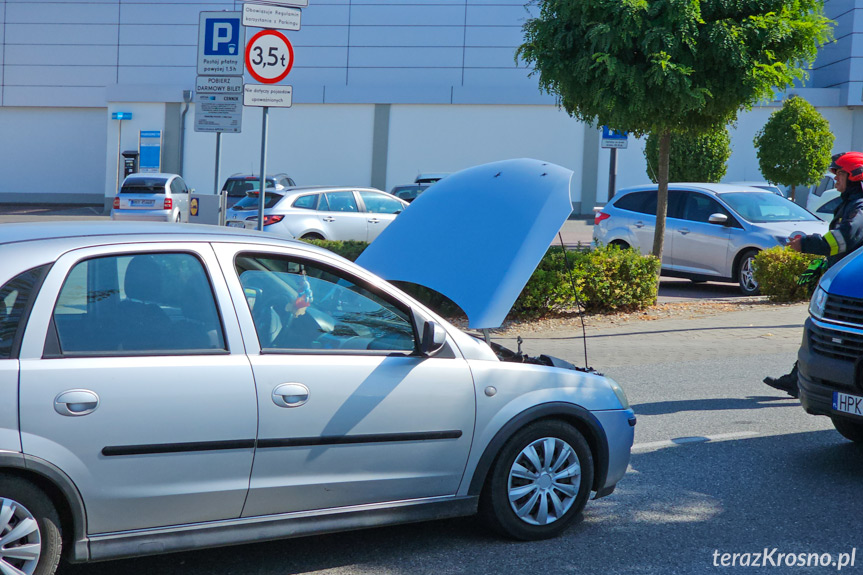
(786, 383)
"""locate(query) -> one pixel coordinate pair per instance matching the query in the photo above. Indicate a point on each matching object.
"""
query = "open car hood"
(477, 235)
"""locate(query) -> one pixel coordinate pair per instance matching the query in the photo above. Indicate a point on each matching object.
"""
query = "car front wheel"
(539, 483)
(746, 273)
(30, 539)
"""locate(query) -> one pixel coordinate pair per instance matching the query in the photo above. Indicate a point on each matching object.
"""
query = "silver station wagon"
(171, 387)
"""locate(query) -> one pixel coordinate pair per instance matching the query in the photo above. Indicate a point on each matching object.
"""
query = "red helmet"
(850, 162)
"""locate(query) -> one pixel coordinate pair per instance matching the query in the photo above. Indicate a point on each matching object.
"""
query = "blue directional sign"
(613, 138)
(221, 44)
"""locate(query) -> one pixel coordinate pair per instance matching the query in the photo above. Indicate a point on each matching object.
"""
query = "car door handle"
(328, 219)
(76, 402)
(374, 221)
(639, 224)
(290, 395)
(684, 231)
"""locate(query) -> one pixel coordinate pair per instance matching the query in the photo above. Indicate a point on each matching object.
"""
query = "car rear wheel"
(539, 483)
(849, 429)
(746, 273)
(30, 539)
(621, 244)
(312, 236)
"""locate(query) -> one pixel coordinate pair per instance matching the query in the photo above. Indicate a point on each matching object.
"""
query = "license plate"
(236, 225)
(848, 403)
(142, 203)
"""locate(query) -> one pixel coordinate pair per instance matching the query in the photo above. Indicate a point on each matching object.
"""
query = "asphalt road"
(721, 464)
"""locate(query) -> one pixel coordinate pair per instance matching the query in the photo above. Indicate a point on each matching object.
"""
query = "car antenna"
(577, 301)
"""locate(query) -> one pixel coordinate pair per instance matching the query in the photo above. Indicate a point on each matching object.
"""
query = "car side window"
(306, 202)
(300, 305)
(698, 208)
(380, 204)
(341, 202)
(641, 202)
(14, 298)
(177, 186)
(140, 304)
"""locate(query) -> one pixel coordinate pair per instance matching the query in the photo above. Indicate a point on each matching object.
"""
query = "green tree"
(669, 66)
(794, 145)
(692, 157)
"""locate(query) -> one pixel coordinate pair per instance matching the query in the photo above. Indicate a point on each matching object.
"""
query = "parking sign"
(221, 40)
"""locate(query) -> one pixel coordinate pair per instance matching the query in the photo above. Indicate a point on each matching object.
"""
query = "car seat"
(147, 326)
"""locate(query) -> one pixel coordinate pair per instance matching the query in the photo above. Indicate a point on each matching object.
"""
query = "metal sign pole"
(218, 162)
(263, 187)
(119, 148)
(612, 173)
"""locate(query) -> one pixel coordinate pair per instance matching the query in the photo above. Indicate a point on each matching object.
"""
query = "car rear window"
(143, 186)
(15, 298)
(252, 201)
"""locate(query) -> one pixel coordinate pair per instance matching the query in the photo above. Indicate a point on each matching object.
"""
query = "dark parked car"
(409, 192)
(237, 185)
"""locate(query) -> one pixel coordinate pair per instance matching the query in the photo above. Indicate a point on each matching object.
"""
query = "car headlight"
(618, 391)
(817, 303)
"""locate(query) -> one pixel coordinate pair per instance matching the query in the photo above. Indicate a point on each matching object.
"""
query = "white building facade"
(382, 90)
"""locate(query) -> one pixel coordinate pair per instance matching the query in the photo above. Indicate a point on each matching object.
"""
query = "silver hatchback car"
(176, 387)
(152, 197)
(713, 231)
(320, 213)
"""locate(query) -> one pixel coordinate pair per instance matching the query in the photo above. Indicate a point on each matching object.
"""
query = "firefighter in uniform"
(845, 235)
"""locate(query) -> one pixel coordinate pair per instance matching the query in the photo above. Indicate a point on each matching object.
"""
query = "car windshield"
(143, 186)
(252, 201)
(763, 207)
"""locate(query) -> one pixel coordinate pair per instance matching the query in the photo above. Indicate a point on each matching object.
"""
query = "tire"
(20, 504)
(311, 236)
(621, 244)
(177, 219)
(745, 273)
(849, 429)
(529, 517)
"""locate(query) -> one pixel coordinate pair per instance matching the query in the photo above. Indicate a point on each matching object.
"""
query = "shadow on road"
(718, 404)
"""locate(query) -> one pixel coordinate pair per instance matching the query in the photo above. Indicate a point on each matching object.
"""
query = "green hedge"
(777, 270)
(607, 278)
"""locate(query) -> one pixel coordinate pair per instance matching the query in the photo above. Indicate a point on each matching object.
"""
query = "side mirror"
(432, 339)
(719, 219)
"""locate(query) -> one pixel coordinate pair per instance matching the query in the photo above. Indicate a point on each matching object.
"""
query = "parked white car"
(152, 197)
(319, 213)
(821, 193)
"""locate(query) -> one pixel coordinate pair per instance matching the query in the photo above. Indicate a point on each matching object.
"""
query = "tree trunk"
(662, 196)
(793, 193)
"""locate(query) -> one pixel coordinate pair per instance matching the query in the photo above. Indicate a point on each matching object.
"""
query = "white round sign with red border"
(269, 56)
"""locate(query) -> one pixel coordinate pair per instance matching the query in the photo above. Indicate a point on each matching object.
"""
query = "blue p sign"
(222, 37)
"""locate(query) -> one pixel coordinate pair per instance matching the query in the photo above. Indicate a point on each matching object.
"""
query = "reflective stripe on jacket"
(846, 228)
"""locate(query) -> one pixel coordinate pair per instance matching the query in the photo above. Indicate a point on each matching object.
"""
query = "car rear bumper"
(821, 375)
(143, 215)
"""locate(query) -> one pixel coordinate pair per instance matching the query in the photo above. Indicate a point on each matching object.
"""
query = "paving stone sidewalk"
(757, 331)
